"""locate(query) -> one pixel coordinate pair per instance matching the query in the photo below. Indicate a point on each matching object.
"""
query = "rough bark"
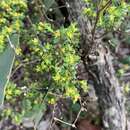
(98, 64)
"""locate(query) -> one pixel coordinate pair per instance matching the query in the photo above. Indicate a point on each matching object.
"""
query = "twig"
(62, 6)
(57, 95)
(72, 125)
(40, 11)
(126, 74)
(81, 109)
(23, 64)
(106, 5)
(44, 13)
(31, 23)
(97, 18)
(10, 43)
(53, 114)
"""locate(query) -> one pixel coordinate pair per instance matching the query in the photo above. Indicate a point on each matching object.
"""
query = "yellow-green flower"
(1, 39)
(52, 101)
(57, 77)
(57, 33)
(35, 41)
(40, 26)
(18, 51)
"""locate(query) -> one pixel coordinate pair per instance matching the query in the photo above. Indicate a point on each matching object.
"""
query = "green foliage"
(60, 59)
(52, 76)
(12, 92)
(12, 12)
(57, 57)
(110, 15)
(49, 64)
(23, 104)
(127, 88)
(11, 16)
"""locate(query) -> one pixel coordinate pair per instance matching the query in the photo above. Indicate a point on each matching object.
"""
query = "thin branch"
(57, 95)
(31, 23)
(104, 34)
(69, 124)
(23, 64)
(126, 74)
(58, 7)
(44, 13)
(94, 29)
(40, 11)
(106, 5)
(10, 43)
(97, 18)
(81, 109)
(53, 116)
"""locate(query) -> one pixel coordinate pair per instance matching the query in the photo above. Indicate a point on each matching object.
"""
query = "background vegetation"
(40, 55)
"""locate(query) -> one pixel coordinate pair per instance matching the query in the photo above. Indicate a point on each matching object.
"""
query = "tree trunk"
(98, 63)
